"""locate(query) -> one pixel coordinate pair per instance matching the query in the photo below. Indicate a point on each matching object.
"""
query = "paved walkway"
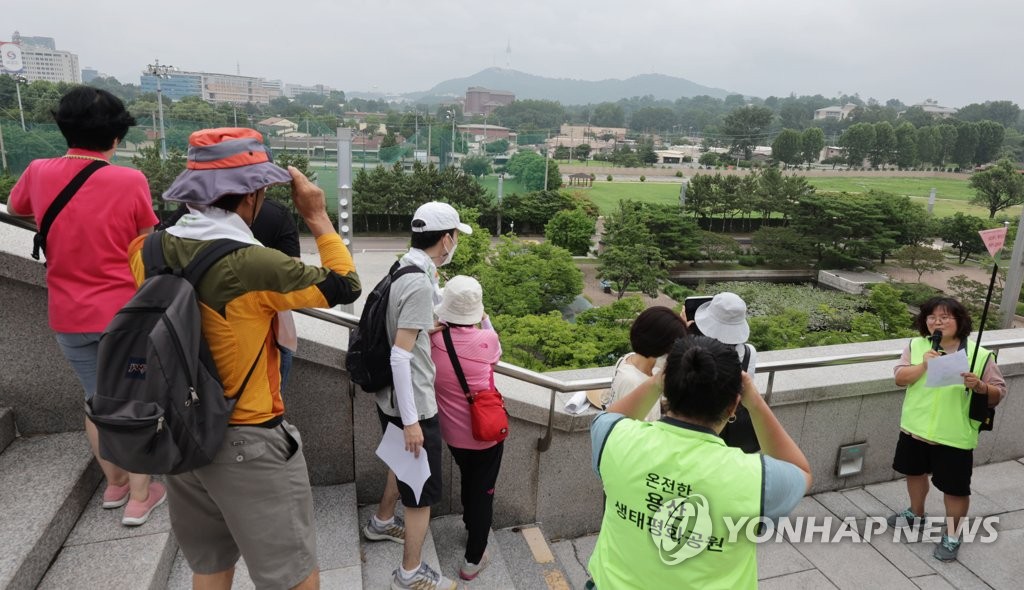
(881, 563)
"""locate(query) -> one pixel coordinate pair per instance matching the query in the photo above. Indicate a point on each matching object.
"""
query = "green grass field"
(952, 194)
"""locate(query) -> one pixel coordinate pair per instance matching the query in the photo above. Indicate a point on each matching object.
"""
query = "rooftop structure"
(835, 112)
(43, 61)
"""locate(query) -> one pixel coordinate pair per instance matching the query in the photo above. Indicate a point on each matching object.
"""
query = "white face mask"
(451, 253)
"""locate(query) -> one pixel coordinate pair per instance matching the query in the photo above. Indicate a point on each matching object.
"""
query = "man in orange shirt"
(254, 500)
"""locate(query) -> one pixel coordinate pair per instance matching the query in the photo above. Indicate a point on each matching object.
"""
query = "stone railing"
(546, 476)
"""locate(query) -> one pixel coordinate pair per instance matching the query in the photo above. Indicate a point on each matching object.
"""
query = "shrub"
(747, 260)
(642, 178)
(679, 173)
(914, 293)
(609, 179)
(687, 159)
(676, 292)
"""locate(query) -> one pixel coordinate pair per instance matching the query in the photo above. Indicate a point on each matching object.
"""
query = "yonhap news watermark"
(683, 528)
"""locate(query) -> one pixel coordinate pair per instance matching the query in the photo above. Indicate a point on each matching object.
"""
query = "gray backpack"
(159, 405)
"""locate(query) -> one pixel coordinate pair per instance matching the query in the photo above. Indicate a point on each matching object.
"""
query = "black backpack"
(159, 405)
(369, 351)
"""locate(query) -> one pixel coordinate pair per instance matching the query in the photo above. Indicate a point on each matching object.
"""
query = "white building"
(293, 90)
(835, 112)
(932, 107)
(43, 62)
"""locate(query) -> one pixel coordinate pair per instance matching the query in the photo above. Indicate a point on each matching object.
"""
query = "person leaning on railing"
(656, 474)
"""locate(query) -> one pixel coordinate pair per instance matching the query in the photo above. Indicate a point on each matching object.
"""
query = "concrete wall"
(822, 409)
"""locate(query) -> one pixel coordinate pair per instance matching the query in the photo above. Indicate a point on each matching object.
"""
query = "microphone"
(937, 340)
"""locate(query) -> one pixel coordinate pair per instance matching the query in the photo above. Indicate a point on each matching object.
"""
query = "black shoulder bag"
(58, 204)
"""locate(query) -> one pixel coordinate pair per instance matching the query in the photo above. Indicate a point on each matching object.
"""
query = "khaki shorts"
(254, 500)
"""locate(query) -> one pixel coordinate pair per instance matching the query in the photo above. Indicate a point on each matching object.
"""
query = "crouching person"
(254, 500)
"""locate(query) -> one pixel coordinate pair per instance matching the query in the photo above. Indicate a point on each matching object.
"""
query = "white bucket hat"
(724, 318)
(463, 302)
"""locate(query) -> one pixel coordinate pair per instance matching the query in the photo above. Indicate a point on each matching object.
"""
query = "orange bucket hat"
(224, 161)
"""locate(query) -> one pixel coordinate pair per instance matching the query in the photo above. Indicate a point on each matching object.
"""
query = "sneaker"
(116, 496)
(392, 532)
(425, 578)
(905, 519)
(947, 549)
(472, 570)
(136, 513)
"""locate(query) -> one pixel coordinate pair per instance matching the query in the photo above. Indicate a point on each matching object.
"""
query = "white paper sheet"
(945, 370)
(408, 469)
(578, 403)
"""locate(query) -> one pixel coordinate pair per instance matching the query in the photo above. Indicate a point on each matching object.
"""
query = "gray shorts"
(254, 500)
(82, 350)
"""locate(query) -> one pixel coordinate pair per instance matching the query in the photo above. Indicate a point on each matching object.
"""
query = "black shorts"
(949, 467)
(431, 493)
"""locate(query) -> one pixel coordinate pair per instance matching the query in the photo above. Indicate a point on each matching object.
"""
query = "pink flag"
(994, 239)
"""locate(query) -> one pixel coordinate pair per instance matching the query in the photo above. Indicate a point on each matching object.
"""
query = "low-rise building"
(483, 101)
(836, 112)
(41, 60)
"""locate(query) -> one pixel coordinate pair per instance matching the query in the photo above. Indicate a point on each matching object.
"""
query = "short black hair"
(955, 309)
(228, 202)
(422, 240)
(702, 378)
(655, 330)
(91, 119)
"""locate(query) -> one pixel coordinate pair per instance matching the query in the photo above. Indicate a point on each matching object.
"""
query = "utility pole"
(3, 153)
(546, 161)
(18, 81)
(501, 191)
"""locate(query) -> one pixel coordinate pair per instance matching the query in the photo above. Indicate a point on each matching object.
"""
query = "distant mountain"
(568, 91)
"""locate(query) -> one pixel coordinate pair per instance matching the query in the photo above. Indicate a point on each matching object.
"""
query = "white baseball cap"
(438, 216)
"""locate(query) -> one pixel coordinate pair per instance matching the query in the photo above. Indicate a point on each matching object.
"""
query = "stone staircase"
(54, 534)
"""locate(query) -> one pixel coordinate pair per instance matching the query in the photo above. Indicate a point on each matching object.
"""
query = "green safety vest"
(940, 414)
(647, 540)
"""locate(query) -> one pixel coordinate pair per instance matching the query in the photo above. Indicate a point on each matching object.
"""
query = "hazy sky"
(954, 52)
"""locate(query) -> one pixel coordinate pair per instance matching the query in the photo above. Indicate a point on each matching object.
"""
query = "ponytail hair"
(702, 378)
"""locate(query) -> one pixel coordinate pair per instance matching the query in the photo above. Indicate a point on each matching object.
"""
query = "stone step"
(45, 482)
(450, 540)
(573, 555)
(337, 537)
(7, 429)
(380, 558)
(100, 552)
(529, 559)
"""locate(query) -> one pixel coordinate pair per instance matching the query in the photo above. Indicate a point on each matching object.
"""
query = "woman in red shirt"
(87, 273)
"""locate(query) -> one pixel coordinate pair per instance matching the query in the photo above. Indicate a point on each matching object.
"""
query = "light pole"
(451, 153)
(159, 72)
(18, 81)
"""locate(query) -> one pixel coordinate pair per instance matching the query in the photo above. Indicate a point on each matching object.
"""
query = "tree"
(473, 250)
(282, 193)
(920, 259)
(927, 144)
(858, 139)
(529, 167)
(966, 145)
(652, 119)
(786, 148)
(1000, 187)
(889, 310)
(530, 115)
(7, 183)
(631, 258)
(884, 147)
(609, 114)
(718, 247)
(582, 152)
(781, 246)
(708, 159)
(961, 231)
(990, 139)
(522, 278)
(477, 165)
(159, 173)
(947, 135)
(906, 145)
(812, 141)
(572, 230)
(498, 146)
(747, 126)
